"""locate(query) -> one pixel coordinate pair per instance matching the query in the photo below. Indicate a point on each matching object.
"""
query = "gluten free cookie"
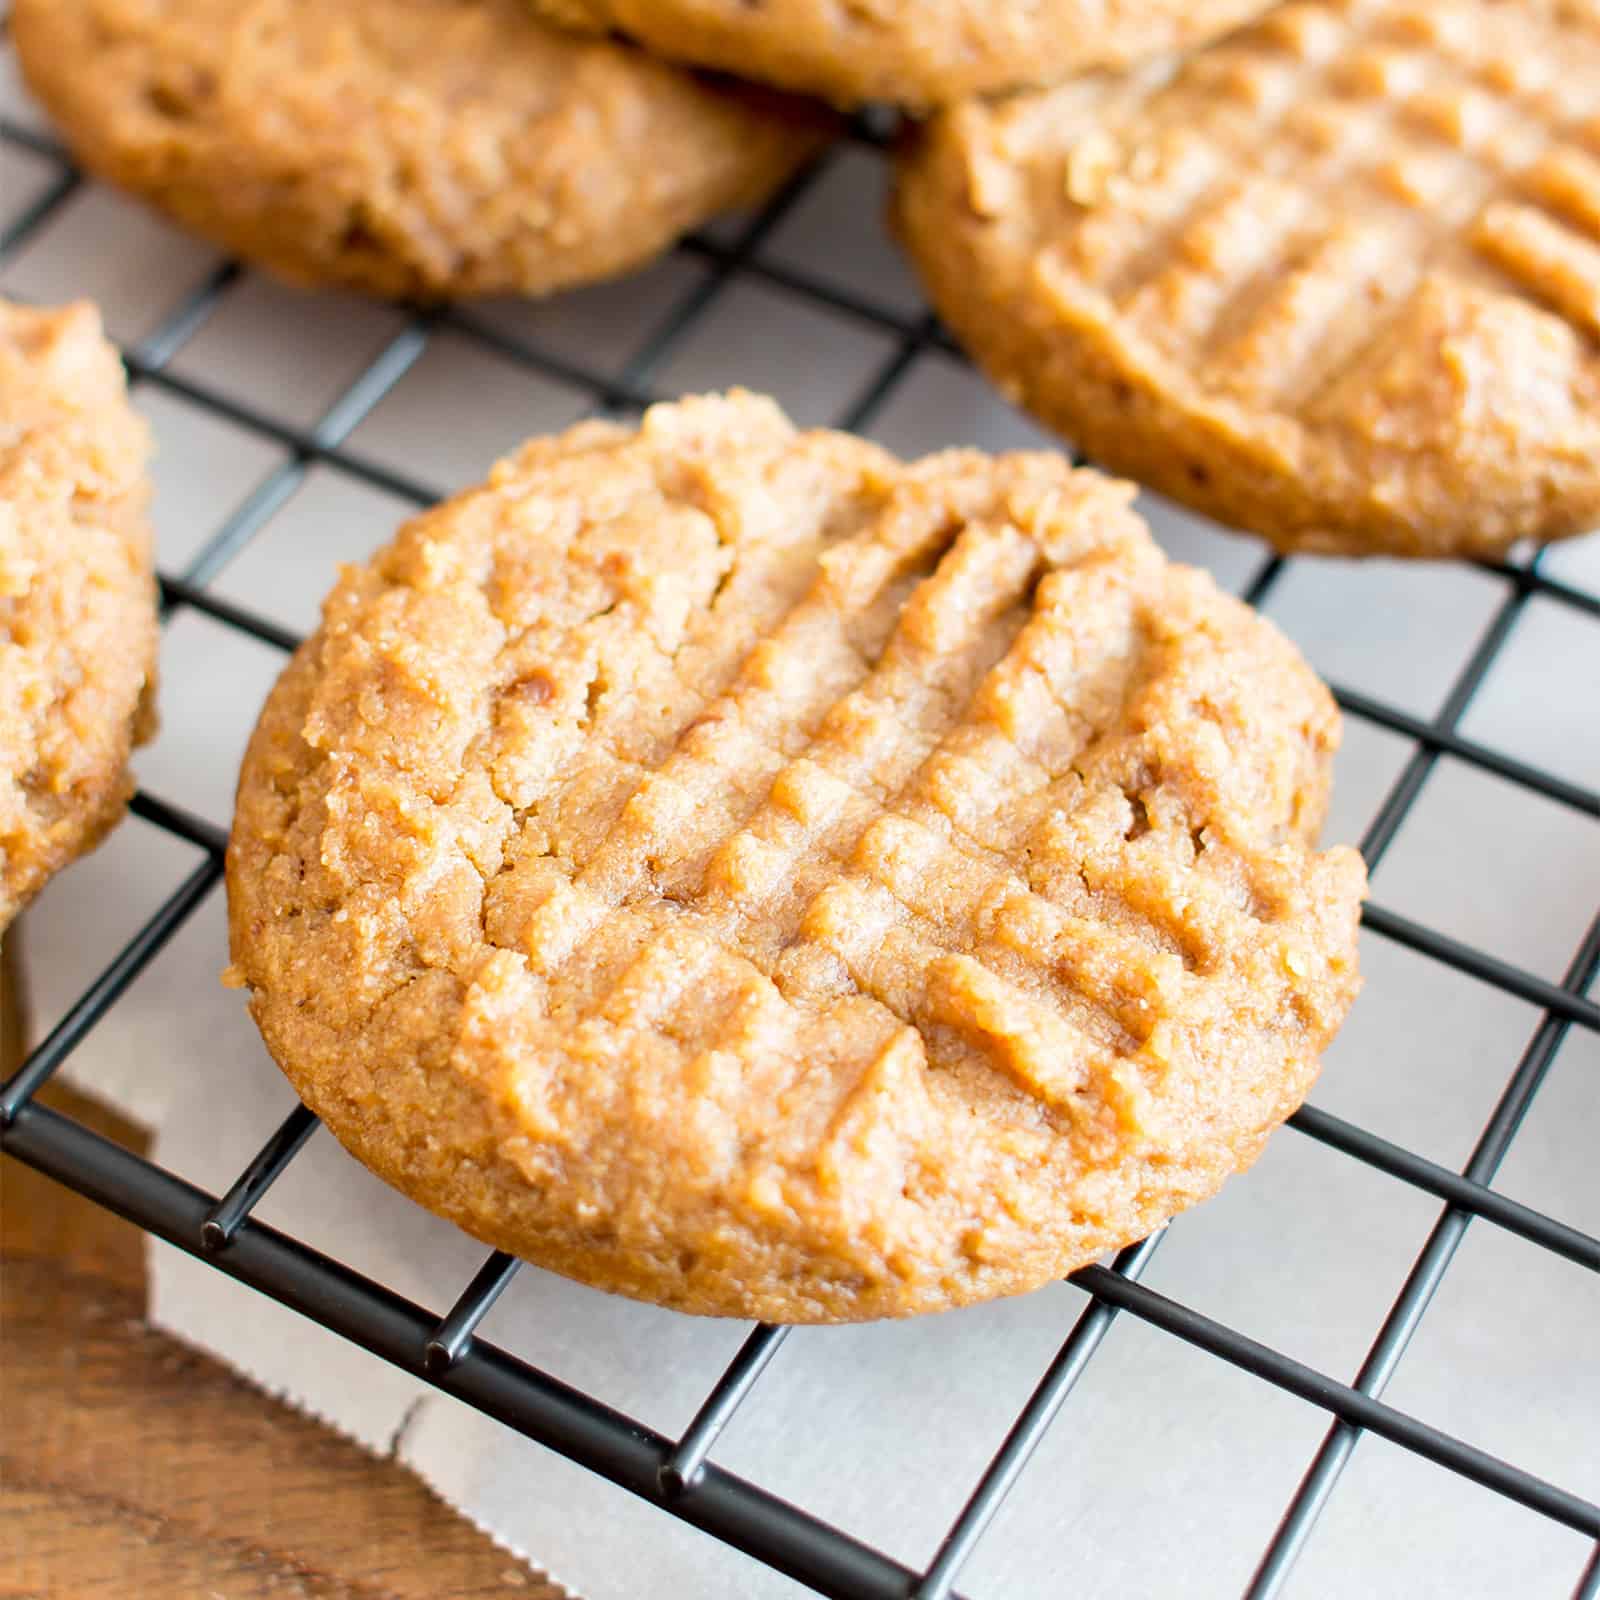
(1335, 280)
(78, 632)
(914, 53)
(423, 148)
(738, 869)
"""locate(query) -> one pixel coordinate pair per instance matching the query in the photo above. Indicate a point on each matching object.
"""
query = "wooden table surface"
(132, 1467)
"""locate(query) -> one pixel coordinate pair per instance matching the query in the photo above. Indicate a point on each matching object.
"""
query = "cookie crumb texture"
(915, 53)
(737, 869)
(1335, 280)
(421, 148)
(78, 634)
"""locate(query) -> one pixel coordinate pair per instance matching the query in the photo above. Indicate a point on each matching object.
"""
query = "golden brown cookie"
(915, 53)
(420, 148)
(1336, 281)
(78, 632)
(737, 869)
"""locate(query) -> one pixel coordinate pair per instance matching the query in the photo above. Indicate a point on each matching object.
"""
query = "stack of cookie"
(1333, 279)
(738, 868)
(439, 148)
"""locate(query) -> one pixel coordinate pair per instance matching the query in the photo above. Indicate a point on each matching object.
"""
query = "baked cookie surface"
(421, 148)
(737, 869)
(1333, 280)
(78, 633)
(915, 53)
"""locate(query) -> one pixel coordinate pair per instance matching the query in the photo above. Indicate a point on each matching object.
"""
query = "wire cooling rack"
(439, 1343)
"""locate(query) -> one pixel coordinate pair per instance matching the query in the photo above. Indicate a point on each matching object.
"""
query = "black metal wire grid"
(679, 1475)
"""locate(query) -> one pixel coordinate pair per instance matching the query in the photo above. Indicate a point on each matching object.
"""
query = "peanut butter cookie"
(78, 632)
(422, 148)
(735, 868)
(916, 53)
(1335, 280)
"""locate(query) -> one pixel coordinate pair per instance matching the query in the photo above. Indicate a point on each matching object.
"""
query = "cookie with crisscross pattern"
(738, 869)
(1334, 280)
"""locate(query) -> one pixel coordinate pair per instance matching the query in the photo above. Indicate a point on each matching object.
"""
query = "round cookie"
(78, 632)
(736, 869)
(915, 53)
(417, 148)
(1333, 280)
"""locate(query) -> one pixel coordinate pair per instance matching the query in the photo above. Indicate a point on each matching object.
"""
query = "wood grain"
(133, 1467)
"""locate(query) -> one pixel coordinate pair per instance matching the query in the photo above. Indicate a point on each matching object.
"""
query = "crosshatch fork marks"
(1425, 123)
